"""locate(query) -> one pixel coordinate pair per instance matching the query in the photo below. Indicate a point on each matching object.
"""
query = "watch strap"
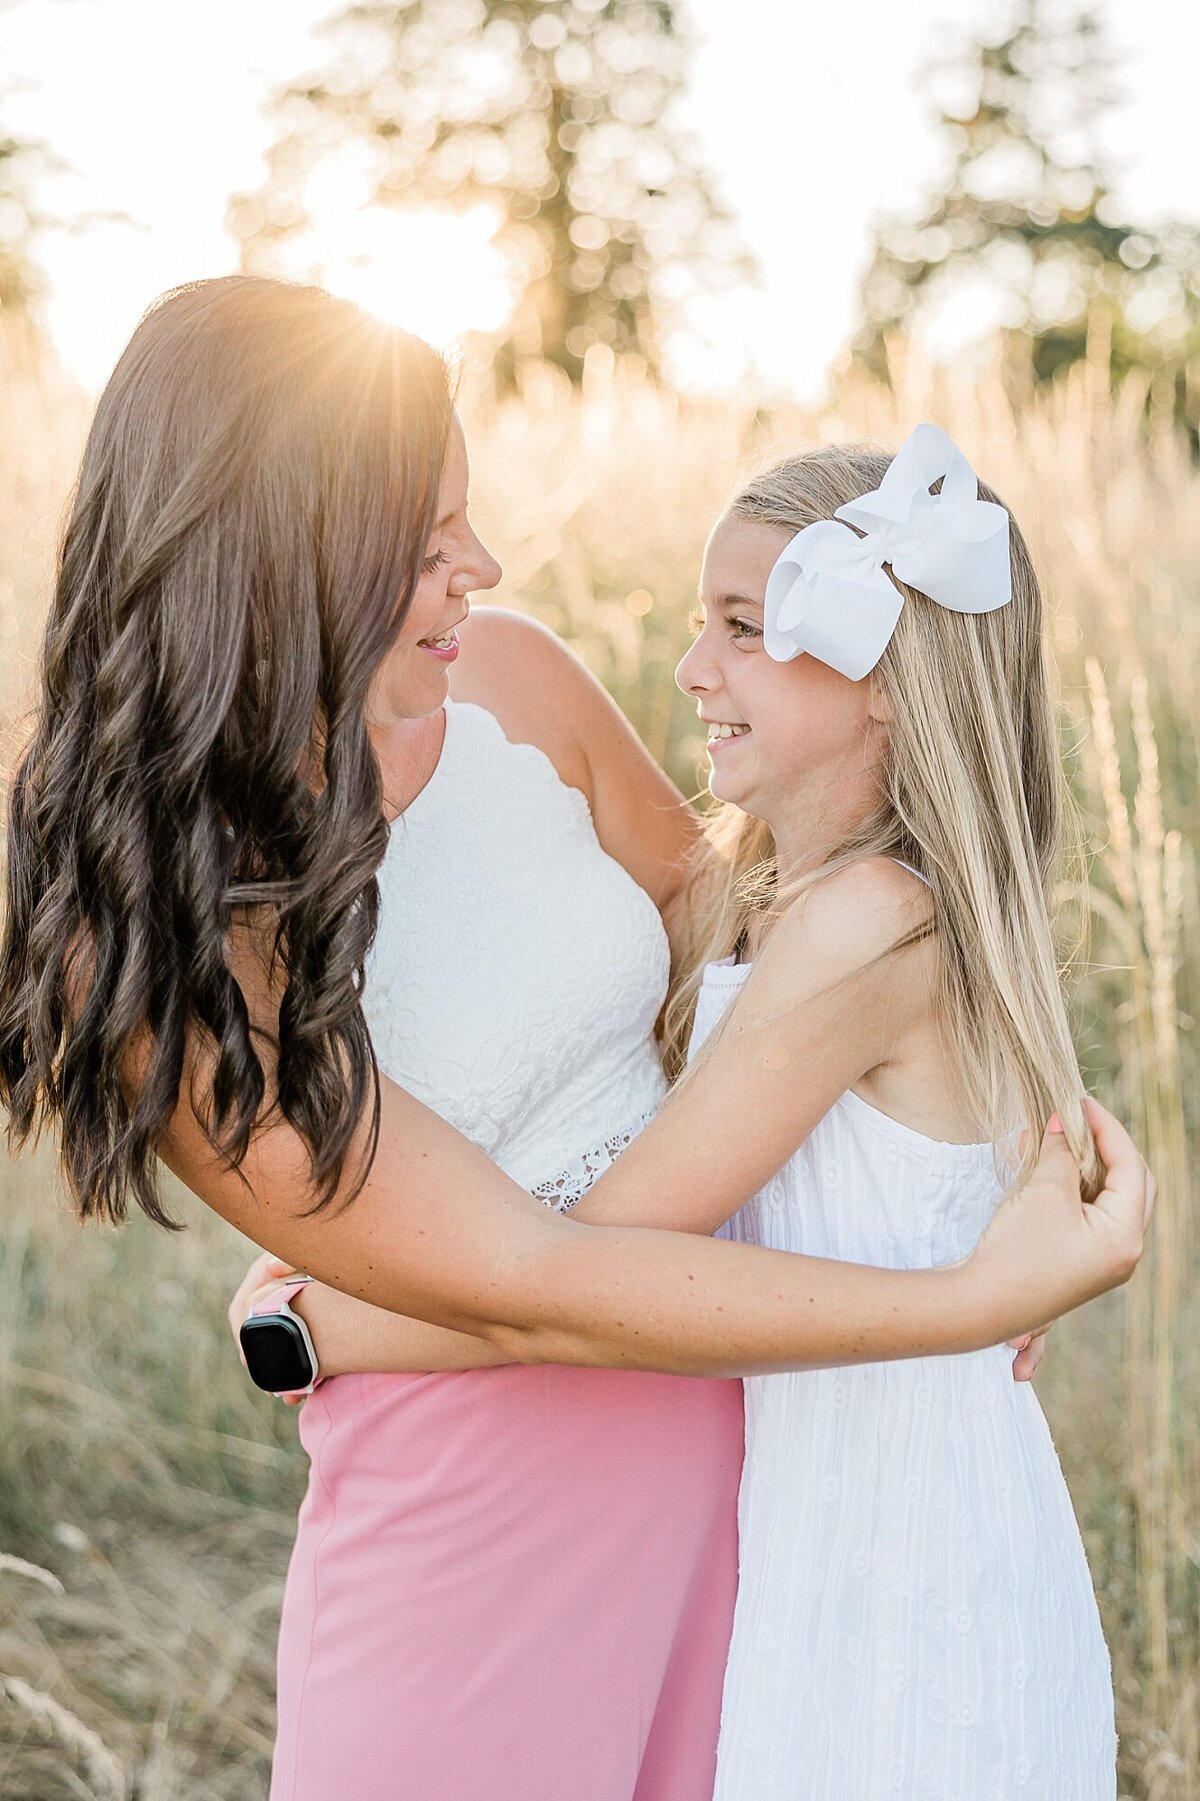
(278, 1297)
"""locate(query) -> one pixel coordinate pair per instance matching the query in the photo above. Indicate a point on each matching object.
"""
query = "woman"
(243, 683)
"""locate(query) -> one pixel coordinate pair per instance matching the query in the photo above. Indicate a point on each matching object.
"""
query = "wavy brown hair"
(242, 546)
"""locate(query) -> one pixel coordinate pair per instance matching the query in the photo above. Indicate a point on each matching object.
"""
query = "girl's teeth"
(442, 643)
(728, 731)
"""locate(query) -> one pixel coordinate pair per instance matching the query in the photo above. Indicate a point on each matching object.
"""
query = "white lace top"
(550, 1065)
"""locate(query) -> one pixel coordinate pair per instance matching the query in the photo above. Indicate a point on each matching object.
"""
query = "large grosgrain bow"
(828, 593)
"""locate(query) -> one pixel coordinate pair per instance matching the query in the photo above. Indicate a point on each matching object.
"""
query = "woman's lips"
(444, 647)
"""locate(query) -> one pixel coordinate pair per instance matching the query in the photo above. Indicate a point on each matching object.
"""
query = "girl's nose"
(691, 673)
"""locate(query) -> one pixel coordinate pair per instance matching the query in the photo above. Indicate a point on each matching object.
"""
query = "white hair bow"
(828, 593)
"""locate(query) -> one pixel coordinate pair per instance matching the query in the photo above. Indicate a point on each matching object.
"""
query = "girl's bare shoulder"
(860, 922)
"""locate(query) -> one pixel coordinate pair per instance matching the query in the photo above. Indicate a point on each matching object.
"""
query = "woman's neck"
(408, 751)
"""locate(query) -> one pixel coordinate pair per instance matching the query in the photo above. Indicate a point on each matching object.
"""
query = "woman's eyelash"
(429, 564)
(695, 620)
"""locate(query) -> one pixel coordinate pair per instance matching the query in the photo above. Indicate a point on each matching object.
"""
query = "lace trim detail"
(561, 1191)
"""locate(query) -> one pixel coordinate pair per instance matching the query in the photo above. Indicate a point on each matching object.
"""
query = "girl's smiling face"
(808, 742)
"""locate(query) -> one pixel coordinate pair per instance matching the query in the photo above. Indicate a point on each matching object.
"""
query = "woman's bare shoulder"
(532, 682)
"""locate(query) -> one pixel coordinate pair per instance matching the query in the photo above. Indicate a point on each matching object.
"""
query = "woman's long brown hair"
(255, 497)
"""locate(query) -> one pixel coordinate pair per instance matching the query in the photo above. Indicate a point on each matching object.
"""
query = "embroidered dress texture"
(571, 1184)
(535, 1037)
(574, 1528)
(915, 1617)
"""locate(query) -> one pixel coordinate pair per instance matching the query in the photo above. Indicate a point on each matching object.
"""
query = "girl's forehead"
(740, 555)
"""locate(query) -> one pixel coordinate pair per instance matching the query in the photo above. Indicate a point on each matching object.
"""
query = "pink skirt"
(510, 1584)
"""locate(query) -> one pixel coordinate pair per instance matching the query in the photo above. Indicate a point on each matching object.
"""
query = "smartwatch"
(277, 1345)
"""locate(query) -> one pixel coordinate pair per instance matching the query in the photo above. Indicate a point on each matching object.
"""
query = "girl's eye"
(435, 561)
(695, 620)
(742, 628)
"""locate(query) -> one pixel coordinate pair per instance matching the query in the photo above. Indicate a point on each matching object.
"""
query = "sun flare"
(434, 271)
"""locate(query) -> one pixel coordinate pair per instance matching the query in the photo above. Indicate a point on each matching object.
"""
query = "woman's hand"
(264, 1275)
(1047, 1250)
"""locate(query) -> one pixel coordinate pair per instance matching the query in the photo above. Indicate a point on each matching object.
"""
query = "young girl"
(914, 1614)
(241, 780)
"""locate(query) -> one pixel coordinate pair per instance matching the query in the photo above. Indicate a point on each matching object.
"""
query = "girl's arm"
(773, 1074)
(827, 1001)
(437, 1232)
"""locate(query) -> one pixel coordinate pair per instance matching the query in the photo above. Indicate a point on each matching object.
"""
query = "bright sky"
(808, 115)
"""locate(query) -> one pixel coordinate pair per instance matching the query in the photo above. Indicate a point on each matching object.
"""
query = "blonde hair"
(972, 795)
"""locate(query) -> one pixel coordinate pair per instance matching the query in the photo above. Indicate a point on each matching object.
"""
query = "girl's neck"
(811, 827)
(803, 845)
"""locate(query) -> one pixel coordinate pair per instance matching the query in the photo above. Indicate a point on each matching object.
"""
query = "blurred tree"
(1026, 218)
(557, 114)
(27, 167)
(22, 161)
(18, 280)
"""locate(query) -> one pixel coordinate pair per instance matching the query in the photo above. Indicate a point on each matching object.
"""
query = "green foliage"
(560, 116)
(1026, 209)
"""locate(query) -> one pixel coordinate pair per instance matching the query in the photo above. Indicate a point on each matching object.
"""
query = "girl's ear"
(879, 706)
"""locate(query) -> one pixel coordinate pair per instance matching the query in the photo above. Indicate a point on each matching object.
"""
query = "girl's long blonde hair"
(973, 796)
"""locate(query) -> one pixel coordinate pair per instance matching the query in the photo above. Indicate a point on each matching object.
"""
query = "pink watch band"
(279, 1297)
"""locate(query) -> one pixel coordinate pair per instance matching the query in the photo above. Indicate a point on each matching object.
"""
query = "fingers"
(1123, 1164)
(1127, 1198)
(265, 1268)
(1054, 1140)
(1028, 1358)
(1055, 1162)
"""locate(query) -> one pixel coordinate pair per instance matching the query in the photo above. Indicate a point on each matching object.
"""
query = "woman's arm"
(353, 1336)
(793, 1045)
(439, 1233)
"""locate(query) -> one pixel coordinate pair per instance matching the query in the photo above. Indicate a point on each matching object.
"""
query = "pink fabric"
(510, 1584)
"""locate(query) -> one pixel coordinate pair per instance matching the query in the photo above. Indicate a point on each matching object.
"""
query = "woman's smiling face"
(804, 730)
(412, 681)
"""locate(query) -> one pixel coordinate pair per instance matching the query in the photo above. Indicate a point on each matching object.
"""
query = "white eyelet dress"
(915, 1617)
(512, 1584)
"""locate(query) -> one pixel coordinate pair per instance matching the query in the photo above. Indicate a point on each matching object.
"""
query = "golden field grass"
(147, 1491)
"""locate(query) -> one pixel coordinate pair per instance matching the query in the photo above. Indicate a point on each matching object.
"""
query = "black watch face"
(276, 1354)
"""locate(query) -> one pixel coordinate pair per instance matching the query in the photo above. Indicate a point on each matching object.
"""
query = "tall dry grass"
(158, 1489)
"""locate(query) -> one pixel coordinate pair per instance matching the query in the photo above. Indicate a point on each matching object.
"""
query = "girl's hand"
(1030, 1349)
(264, 1275)
(1046, 1249)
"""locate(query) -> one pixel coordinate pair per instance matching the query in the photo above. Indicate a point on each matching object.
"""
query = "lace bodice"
(548, 1065)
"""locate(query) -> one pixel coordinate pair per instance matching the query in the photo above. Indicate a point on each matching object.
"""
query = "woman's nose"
(480, 570)
(491, 570)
